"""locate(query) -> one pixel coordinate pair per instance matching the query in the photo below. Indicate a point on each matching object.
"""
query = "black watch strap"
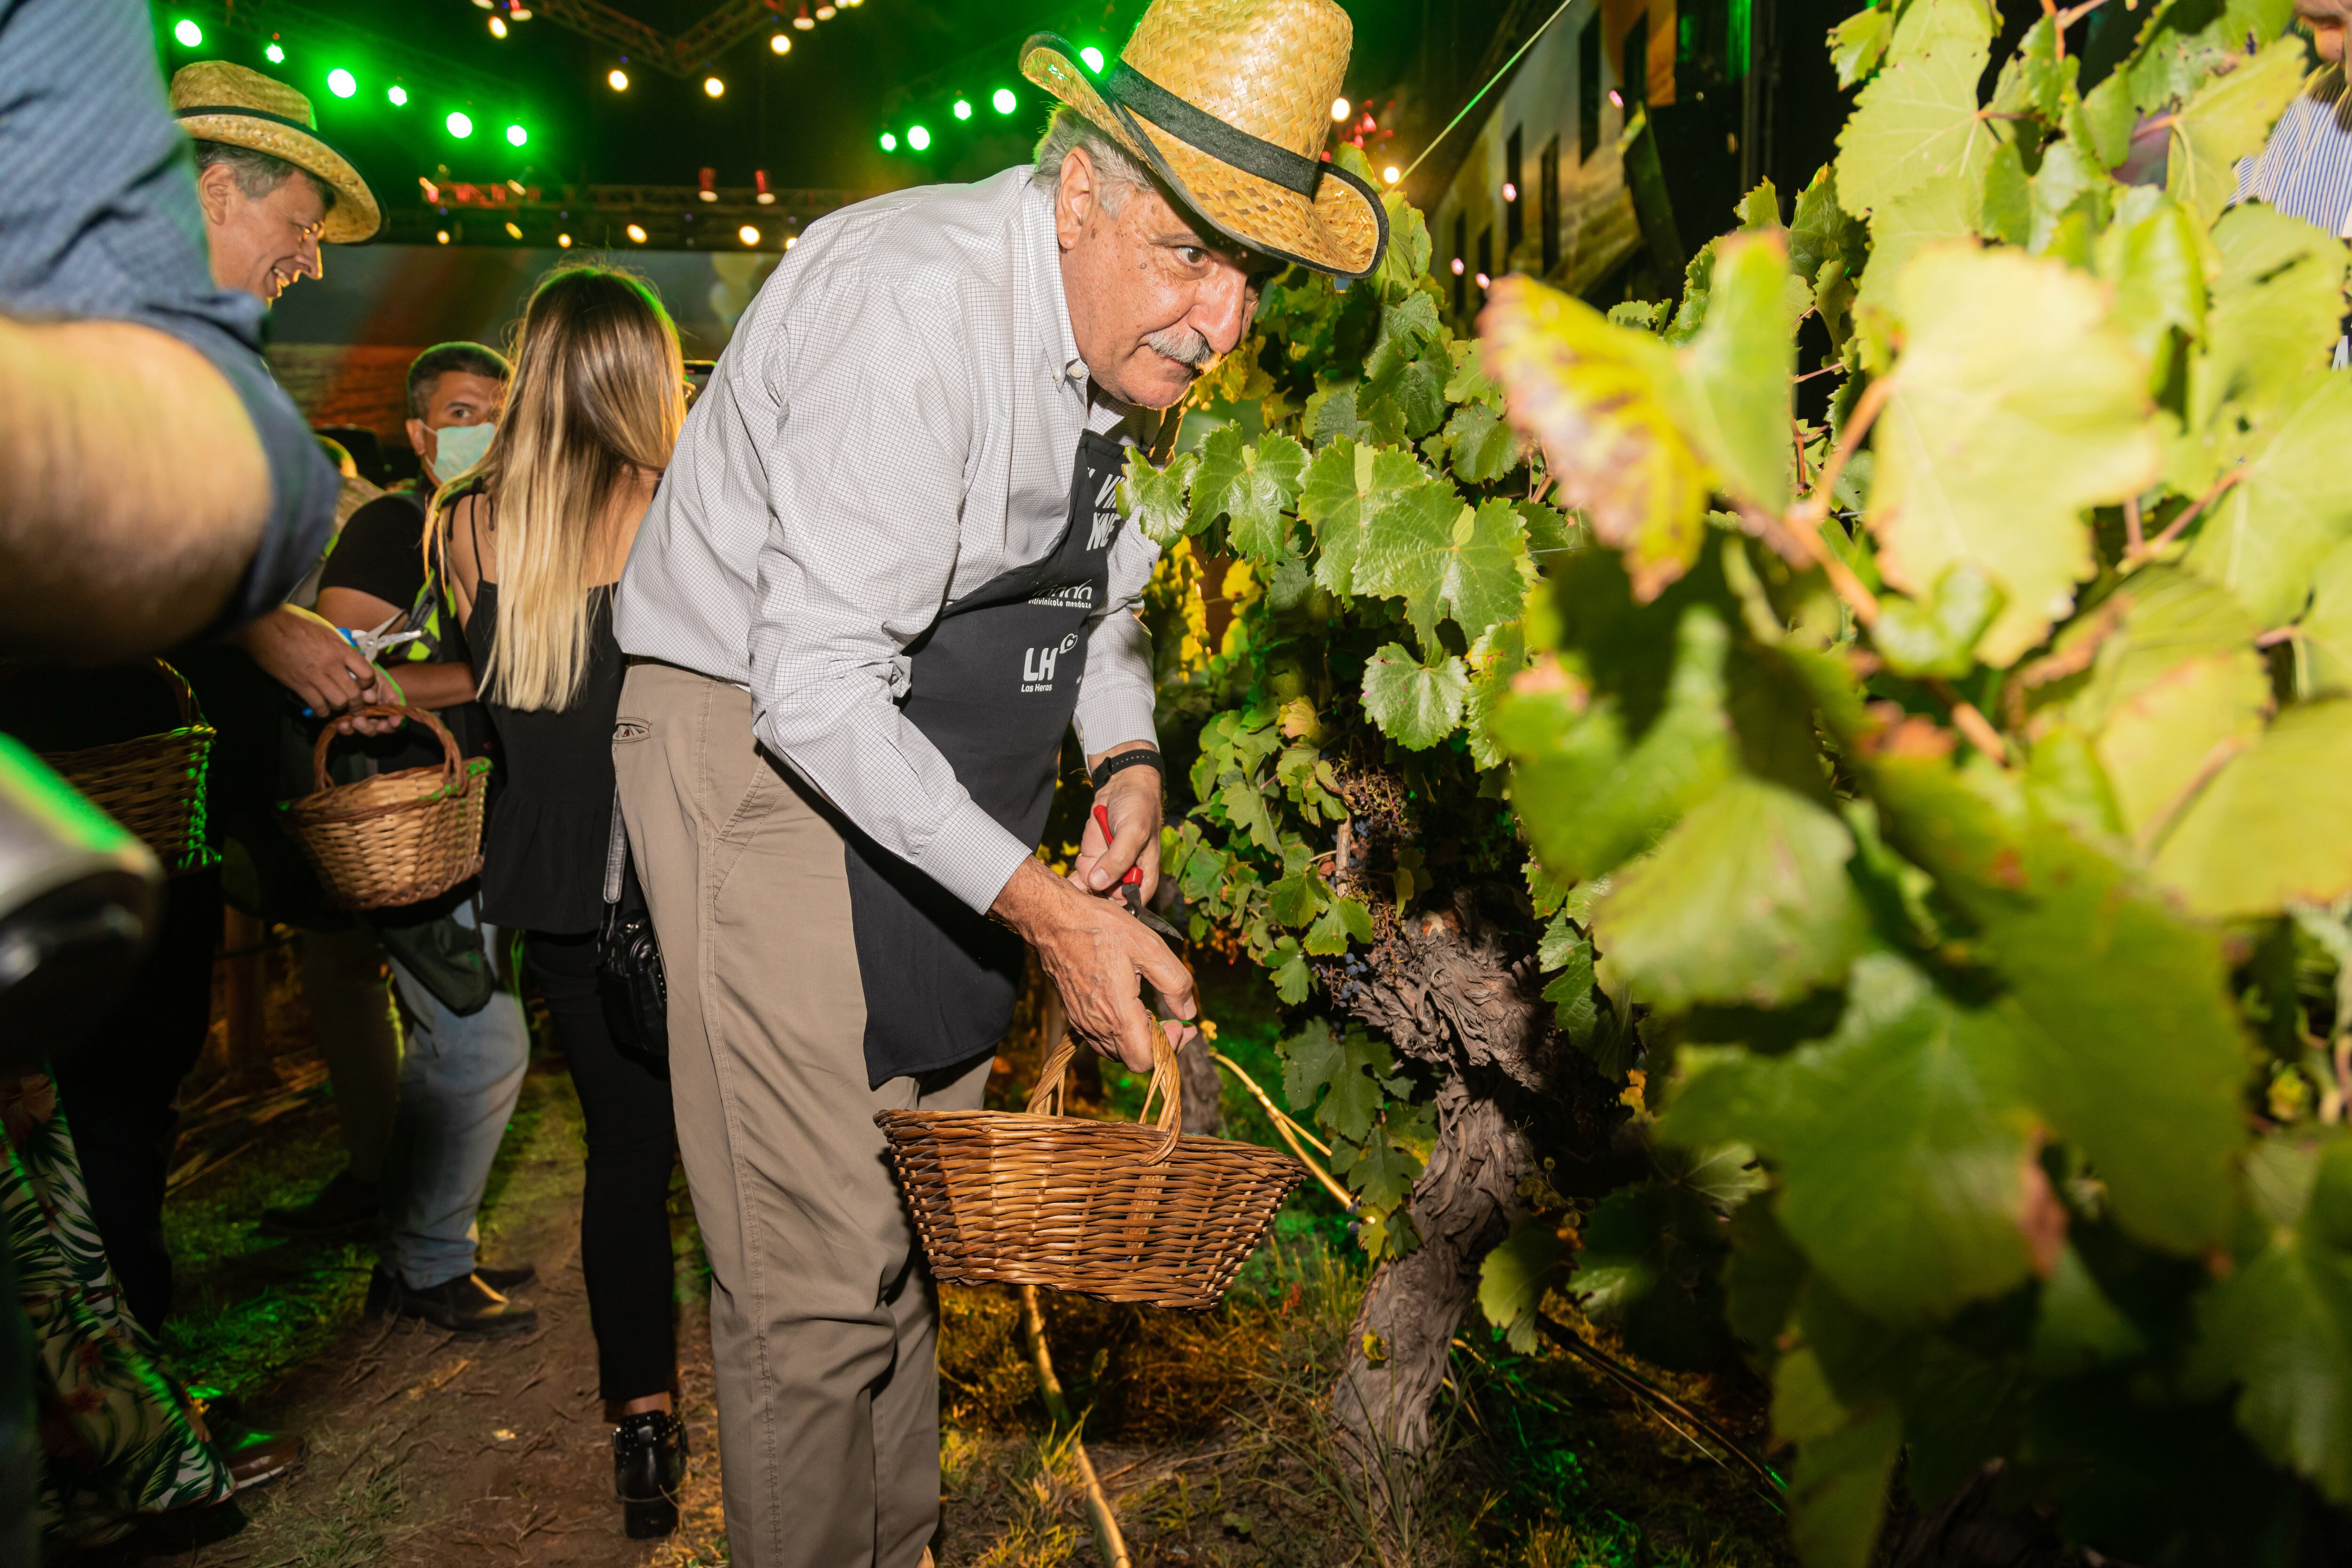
(1139, 757)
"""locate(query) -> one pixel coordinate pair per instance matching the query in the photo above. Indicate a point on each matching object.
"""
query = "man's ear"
(423, 441)
(1075, 197)
(214, 186)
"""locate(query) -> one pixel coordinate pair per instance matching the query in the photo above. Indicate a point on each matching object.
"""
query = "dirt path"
(426, 1449)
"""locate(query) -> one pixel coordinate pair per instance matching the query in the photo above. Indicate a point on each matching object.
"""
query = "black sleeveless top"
(552, 826)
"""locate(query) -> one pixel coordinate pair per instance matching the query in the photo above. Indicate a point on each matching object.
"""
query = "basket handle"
(452, 765)
(182, 694)
(1167, 1086)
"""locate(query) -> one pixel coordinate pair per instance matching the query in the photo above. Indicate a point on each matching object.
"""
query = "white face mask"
(457, 447)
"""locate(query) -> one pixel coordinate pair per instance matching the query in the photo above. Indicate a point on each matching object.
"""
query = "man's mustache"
(1185, 345)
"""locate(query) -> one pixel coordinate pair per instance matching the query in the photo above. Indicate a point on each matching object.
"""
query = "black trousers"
(117, 1089)
(632, 1148)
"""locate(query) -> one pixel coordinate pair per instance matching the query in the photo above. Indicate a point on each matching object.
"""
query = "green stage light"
(275, 54)
(341, 83)
(398, 94)
(918, 138)
(461, 123)
(889, 142)
(964, 108)
(1005, 101)
(1094, 58)
(190, 35)
(517, 136)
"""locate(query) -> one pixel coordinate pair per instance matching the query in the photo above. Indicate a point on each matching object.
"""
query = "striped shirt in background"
(2305, 170)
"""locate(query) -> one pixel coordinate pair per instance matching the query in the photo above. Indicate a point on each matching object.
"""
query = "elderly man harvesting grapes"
(884, 572)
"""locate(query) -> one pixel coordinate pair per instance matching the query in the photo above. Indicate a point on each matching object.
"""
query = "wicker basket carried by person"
(398, 838)
(153, 785)
(1120, 1211)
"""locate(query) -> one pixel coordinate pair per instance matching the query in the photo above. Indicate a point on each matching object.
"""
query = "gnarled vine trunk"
(1452, 988)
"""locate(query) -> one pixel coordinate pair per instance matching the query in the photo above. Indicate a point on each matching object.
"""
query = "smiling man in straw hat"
(884, 574)
(271, 188)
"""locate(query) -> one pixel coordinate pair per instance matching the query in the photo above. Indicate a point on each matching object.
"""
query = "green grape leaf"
(1938, 637)
(1734, 386)
(1154, 499)
(1244, 806)
(2267, 534)
(1746, 902)
(1406, 262)
(2276, 313)
(1291, 976)
(1918, 119)
(1858, 43)
(1332, 414)
(2013, 408)
(1597, 778)
(1942, 209)
(1837, 1490)
(2182, 45)
(1597, 396)
(1481, 448)
(2225, 120)
(1346, 487)
(1468, 384)
(1310, 1059)
(2100, 120)
(1903, 1142)
(2034, 79)
(1297, 898)
(1255, 486)
(2325, 649)
(2276, 1326)
(2270, 828)
(2157, 747)
(1221, 466)
(2007, 210)
(1413, 388)
(1513, 1277)
(1415, 705)
(1383, 1173)
(1351, 1071)
(2131, 1046)
(1820, 231)
(1550, 531)
(1445, 558)
(2151, 255)
(1407, 325)
(2066, 183)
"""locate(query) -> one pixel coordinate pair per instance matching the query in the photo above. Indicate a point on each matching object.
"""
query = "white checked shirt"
(894, 423)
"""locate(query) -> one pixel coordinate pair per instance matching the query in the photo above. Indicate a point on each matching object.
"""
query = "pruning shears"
(1130, 887)
(371, 643)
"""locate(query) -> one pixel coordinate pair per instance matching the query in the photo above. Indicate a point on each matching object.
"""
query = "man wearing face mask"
(422, 1115)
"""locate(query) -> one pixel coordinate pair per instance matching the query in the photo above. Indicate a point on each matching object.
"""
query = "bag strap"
(616, 854)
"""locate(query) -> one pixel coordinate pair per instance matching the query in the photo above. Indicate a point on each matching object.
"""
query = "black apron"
(994, 683)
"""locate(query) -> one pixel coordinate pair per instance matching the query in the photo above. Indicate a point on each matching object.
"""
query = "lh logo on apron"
(1037, 665)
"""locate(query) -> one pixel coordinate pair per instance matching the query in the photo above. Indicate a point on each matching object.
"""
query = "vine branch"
(2154, 547)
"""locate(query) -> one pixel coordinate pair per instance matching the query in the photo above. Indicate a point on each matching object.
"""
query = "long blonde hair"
(599, 392)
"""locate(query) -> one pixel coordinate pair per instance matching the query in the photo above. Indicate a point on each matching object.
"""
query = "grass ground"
(1206, 1428)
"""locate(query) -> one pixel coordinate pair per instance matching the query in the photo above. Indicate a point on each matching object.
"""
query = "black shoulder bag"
(629, 978)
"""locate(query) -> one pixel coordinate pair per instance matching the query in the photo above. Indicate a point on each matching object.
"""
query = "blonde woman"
(536, 534)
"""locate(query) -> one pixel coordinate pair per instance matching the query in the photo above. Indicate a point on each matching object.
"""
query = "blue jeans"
(459, 1078)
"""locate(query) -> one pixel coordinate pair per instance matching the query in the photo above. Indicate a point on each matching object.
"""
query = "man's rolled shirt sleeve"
(98, 221)
(1116, 696)
(866, 483)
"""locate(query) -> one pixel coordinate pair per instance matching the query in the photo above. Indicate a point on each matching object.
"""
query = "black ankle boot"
(649, 1468)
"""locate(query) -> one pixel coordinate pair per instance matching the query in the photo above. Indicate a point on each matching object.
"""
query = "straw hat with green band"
(1228, 101)
(216, 101)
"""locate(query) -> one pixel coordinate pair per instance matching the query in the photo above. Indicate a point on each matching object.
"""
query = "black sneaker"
(344, 1206)
(463, 1306)
(649, 1468)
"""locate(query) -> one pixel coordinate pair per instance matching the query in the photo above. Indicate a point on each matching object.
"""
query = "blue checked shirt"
(98, 221)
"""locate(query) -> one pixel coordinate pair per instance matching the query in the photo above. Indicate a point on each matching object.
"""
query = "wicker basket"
(1125, 1213)
(398, 838)
(153, 785)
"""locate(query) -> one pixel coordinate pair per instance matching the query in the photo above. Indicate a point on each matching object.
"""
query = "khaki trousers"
(823, 1322)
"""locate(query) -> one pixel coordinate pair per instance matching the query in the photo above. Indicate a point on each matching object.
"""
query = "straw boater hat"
(1228, 101)
(216, 101)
